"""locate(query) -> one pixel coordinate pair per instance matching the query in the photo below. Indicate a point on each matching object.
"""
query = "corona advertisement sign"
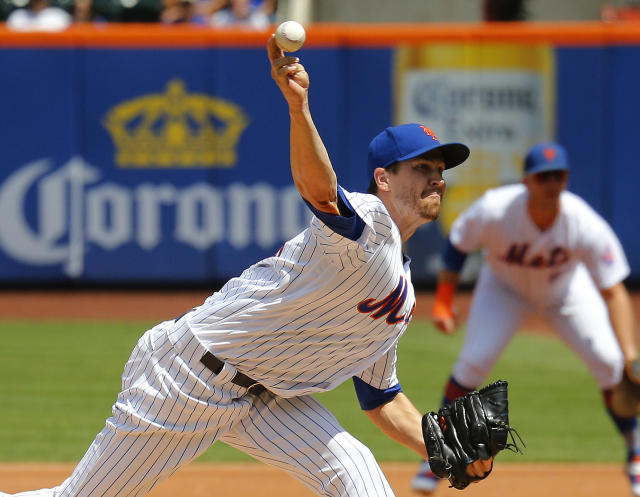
(176, 129)
(161, 156)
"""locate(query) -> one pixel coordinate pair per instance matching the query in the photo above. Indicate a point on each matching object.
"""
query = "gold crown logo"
(175, 129)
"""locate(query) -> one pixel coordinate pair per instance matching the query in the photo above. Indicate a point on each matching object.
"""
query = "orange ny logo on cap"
(428, 132)
(549, 154)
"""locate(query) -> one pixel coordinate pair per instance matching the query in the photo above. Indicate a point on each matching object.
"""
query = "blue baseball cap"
(397, 143)
(547, 156)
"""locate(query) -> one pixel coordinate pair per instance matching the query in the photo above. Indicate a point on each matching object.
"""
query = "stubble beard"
(430, 207)
(431, 211)
(427, 208)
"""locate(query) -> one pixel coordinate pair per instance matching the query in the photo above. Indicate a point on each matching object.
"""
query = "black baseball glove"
(475, 426)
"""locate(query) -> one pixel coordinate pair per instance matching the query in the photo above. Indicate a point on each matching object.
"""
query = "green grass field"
(59, 380)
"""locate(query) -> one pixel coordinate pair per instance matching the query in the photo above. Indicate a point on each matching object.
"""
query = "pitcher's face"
(419, 187)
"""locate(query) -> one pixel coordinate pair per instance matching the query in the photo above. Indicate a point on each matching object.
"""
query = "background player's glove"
(625, 398)
(475, 426)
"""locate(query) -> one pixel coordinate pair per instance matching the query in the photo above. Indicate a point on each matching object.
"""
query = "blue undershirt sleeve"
(370, 397)
(452, 258)
(347, 224)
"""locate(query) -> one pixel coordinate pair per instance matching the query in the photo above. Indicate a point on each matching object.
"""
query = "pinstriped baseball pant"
(172, 408)
(581, 321)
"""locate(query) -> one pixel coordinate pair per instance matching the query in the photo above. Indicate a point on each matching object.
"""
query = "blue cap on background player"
(407, 141)
(546, 157)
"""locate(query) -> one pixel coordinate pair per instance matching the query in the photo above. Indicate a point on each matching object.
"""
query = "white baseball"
(290, 36)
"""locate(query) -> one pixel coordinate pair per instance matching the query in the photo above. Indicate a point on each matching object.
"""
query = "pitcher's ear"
(381, 177)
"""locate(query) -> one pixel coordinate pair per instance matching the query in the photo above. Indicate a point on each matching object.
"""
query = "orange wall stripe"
(327, 35)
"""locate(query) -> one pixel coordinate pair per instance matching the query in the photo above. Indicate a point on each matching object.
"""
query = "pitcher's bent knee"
(352, 471)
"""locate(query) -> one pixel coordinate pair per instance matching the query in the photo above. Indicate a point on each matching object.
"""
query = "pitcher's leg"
(120, 463)
(170, 410)
(300, 436)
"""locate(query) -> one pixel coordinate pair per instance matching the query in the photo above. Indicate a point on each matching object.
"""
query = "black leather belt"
(215, 365)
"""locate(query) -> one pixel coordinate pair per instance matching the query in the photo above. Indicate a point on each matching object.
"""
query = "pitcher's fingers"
(289, 61)
(483, 466)
(486, 465)
(274, 51)
(479, 467)
(290, 69)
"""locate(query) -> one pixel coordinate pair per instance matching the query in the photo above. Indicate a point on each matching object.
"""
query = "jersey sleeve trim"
(371, 397)
(349, 224)
(452, 258)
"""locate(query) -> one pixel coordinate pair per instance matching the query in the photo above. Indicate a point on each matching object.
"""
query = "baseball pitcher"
(330, 306)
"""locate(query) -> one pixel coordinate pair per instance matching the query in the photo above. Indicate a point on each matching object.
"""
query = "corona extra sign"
(59, 216)
(175, 130)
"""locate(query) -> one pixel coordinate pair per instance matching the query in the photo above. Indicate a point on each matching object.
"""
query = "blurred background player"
(546, 252)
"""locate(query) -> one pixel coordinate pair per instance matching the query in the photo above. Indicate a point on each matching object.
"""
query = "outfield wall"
(160, 154)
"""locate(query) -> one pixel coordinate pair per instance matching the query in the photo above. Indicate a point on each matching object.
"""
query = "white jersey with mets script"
(326, 307)
(540, 265)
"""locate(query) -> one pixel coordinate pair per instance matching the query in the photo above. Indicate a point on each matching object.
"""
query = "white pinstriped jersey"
(539, 266)
(323, 309)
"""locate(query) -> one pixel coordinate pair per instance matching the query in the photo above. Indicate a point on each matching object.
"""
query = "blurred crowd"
(55, 15)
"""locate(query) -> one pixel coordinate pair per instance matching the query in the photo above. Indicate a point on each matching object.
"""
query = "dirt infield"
(152, 305)
(256, 480)
(161, 305)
